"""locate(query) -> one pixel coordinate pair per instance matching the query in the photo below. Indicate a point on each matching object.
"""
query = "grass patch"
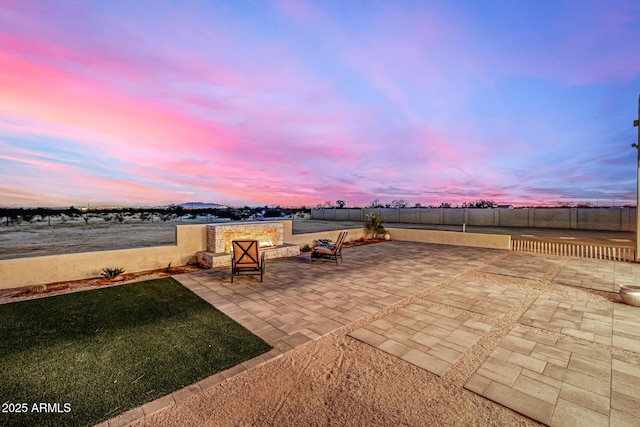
(106, 351)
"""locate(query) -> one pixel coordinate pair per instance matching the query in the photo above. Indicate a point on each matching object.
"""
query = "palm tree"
(374, 226)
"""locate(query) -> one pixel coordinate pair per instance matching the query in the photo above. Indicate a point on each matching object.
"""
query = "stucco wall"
(15, 273)
(453, 216)
(589, 219)
(478, 240)
(430, 216)
(310, 238)
(513, 217)
(483, 217)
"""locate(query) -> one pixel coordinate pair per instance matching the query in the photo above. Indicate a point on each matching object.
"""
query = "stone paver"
(428, 336)
(525, 266)
(580, 319)
(299, 301)
(560, 383)
(618, 327)
(472, 295)
(600, 275)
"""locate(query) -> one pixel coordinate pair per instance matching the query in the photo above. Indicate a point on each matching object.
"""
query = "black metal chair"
(330, 252)
(246, 258)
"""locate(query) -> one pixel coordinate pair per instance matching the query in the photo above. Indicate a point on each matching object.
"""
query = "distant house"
(505, 206)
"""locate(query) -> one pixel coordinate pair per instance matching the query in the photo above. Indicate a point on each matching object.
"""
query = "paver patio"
(428, 336)
(433, 316)
(599, 275)
(525, 266)
(307, 301)
(478, 297)
(614, 326)
(560, 383)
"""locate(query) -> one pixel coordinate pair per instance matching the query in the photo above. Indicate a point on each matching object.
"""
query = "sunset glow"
(302, 102)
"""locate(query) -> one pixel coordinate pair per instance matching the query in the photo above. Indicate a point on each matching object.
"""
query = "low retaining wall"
(310, 238)
(477, 240)
(191, 239)
(19, 272)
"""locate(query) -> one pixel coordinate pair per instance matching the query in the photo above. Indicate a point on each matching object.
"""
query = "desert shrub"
(38, 289)
(305, 248)
(112, 273)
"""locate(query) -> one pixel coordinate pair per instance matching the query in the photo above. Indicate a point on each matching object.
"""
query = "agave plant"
(112, 273)
(373, 225)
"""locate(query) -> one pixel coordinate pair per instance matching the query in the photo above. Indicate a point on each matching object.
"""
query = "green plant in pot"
(373, 225)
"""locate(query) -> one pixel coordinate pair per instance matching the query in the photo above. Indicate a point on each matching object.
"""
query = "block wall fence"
(604, 219)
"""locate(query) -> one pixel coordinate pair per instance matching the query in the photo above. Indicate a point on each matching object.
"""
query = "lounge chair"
(246, 258)
(331, 252)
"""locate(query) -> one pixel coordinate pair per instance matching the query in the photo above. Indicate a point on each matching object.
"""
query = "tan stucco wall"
(494, 241)
(15, 273)
(309, 238)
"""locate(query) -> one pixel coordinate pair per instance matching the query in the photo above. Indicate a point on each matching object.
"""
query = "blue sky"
(303, 102)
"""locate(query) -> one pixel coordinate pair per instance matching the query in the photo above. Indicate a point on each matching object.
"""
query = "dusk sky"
(301, 102)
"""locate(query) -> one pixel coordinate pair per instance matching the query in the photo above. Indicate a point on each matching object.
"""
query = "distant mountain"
(201, 205)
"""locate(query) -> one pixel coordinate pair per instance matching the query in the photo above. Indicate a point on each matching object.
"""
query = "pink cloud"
(222, 110)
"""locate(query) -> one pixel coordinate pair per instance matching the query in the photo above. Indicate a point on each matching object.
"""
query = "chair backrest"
(246, 253)
(340, 241)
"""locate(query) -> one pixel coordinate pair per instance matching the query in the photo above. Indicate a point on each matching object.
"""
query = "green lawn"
(105, 351)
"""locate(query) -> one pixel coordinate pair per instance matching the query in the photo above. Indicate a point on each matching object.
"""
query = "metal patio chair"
(331, 252)
(246, 258)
